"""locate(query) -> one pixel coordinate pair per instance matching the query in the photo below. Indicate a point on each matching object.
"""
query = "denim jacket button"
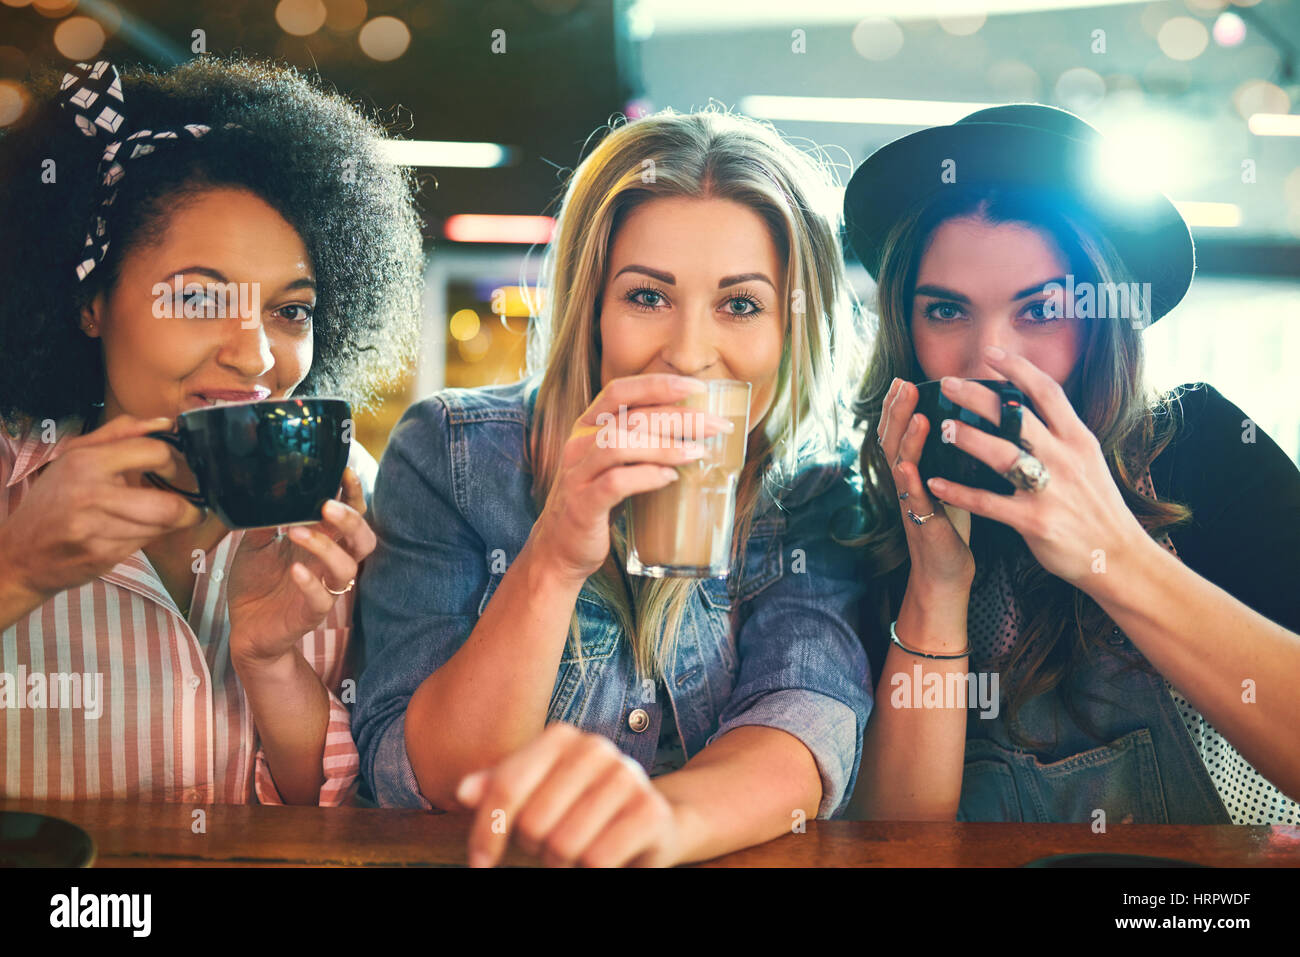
(638, 720)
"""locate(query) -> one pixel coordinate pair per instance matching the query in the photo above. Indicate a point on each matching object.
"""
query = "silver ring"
(1028, 473)
(919, 519)
(347, 588)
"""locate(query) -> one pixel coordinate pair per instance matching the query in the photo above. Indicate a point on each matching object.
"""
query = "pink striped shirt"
(173, 722)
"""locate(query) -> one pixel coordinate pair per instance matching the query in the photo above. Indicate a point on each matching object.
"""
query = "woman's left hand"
(1078, 521)
(278, 586)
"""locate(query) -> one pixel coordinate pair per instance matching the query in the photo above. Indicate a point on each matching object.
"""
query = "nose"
(690, 350)
(246, 349)
(977, 365)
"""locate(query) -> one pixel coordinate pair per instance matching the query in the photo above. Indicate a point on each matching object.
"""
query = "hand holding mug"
(280, 588)
(939, 547)
(86, 511)
(1076, 517)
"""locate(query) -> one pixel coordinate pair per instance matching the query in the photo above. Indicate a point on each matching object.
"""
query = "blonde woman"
(513, 666)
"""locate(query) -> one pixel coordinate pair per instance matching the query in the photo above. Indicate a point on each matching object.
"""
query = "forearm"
(491, 697)
(291, 711)
(1208, 644)
(912, 756)
(743, 789)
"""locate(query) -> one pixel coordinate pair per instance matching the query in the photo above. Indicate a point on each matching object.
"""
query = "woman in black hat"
(1123, 626)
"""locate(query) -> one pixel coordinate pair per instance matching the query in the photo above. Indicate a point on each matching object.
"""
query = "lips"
(228, 396)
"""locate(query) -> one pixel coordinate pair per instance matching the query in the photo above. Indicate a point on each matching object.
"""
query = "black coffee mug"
(263, 464)
(940, 459)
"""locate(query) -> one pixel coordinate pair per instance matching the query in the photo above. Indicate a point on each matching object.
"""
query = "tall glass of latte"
(684, 529)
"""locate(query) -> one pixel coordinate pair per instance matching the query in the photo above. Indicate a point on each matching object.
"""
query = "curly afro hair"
(305, 150)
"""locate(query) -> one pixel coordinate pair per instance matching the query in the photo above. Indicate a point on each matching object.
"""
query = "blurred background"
(499, 97)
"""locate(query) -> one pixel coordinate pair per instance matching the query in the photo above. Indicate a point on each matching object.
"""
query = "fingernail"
(993, 352)
(480, 859)
(333, 509)
(693, 451)
(949, 384)
(726, 425)
(937, 484)
(299, 534)
(470, 788)
(670, 474)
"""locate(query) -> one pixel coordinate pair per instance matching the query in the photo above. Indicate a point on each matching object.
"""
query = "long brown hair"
(705, 154)
(1061, 625)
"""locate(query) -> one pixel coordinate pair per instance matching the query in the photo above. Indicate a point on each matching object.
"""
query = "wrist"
(16, 592)
(254, 668)
(546, 575)
(1121, 577)
(934, 621)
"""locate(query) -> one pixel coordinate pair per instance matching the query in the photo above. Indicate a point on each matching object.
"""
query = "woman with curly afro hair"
(147, 651)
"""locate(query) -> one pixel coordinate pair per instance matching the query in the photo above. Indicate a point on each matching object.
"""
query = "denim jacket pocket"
(1121, 778)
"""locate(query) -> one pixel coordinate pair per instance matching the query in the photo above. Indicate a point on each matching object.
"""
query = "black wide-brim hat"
(1023, 146)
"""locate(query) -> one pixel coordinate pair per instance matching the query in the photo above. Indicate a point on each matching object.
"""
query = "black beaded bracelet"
(893, 636)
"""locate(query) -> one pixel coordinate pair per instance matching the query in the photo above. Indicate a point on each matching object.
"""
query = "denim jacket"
(774, 645)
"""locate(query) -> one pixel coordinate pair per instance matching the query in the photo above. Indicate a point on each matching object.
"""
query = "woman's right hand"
(603, 464)
(86, 511)
(941, 557)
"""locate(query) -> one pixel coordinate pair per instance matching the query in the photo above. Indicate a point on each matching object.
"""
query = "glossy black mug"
(940, 459)
(263, 464)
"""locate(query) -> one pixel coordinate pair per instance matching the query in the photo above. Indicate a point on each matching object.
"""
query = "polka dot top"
(994, 622)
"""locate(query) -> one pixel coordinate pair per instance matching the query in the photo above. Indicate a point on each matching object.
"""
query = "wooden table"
(161, 835)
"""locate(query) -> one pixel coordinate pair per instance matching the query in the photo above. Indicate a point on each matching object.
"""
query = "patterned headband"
(93, 94)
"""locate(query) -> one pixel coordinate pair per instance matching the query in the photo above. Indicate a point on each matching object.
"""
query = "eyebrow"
(671, 280)
(302, 282)
(941, 292)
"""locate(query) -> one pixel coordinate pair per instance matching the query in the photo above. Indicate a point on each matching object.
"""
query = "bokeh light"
(877, 38)
(54, 9)
(1080, 90)
(13, 100)
(1260, 96)
(344, 15)
(963, 26)
(464, 325)
(1182, 38)
(301, 18)
(472, 350)
(79, 38)
(384, 38)
(1206, 8)
(15, 3)
(1229, 29)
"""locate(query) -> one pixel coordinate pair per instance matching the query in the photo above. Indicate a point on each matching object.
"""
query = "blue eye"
(645, 297)
(750, 306)
(951, 309)
(1037, 311)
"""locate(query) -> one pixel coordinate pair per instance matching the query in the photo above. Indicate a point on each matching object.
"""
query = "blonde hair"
(708, 154)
